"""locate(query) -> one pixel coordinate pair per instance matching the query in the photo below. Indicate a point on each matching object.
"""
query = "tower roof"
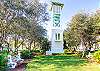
(58, 3)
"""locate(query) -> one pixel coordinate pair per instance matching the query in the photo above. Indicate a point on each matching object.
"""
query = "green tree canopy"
(22, 19)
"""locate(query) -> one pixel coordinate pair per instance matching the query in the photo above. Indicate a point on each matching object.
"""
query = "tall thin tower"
(57, 32)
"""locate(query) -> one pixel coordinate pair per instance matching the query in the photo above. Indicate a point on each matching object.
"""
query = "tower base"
(56, 41)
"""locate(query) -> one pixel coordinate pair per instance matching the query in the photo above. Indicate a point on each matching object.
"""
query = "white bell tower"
(56, 31)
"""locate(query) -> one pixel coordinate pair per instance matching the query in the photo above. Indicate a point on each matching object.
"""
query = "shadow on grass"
(56, 62)
(61, 60)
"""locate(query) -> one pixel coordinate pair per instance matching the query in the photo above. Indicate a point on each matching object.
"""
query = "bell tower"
(56, 31)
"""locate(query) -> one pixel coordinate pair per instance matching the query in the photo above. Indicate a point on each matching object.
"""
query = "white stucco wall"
(57, 46)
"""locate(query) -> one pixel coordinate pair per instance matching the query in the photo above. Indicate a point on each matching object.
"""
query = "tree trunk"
(30, 45)
(34, 44)
(20, 44)
(83, 46)
(16, 42)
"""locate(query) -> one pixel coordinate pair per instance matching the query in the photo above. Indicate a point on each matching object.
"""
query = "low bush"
(82, 54)
(79, 53)
(96, 55)
(26, 54)
(66, 51)
(36, 52)
(29, 54)
(3, 61)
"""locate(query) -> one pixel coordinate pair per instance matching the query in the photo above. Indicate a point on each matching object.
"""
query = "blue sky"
(71, 7)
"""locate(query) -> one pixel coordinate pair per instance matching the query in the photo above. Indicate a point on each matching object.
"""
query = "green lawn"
(61, 63)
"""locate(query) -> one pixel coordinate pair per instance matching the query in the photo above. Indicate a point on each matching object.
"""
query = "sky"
(72, 7)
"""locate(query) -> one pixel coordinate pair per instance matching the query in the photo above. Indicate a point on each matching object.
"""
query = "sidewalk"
(19, 68)
(22, 66)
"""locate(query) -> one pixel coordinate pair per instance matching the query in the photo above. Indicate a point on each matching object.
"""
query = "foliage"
(21, 19)
(36, 52)
(29, 54)
(3, 61)
(96, 18)
(97, 55)
(66, 51)
(26, 54)
(70, 39)
(80, 54)
(45, 44)
(83, 29)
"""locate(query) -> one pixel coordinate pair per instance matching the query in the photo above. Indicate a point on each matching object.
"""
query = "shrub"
(26, 54)
(82, 54)
(3, 61)
(66, 51)
(29, 54)
(36, 52)
(58, 54)
(97, 56)
(45, 45)
(79, 53)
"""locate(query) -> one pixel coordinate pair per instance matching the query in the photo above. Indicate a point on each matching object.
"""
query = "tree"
(82, 28)
(96, 18)
(45, 44)
(23, 20)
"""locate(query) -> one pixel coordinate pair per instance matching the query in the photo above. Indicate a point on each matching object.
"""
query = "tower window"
(57, 36)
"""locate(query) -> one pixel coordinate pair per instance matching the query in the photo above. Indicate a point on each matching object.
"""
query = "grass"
(61, 63)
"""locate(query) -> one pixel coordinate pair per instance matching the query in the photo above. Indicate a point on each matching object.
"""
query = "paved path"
(22, 66)
(19, 68)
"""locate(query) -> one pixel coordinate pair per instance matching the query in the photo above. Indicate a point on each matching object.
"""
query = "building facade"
(56, 30)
